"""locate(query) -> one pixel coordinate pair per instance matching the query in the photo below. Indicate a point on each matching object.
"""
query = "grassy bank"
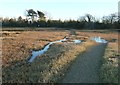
(62, 63)
(109, 69)
(49, 67)
(17, 45)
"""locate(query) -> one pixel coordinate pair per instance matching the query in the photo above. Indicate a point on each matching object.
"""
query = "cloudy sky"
(59, 9)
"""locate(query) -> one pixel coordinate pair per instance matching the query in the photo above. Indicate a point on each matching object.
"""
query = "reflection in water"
(40, 52)
(77, 41)
(98, 39)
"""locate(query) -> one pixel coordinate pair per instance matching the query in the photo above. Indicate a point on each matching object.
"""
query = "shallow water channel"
(40, 52)
(98, 40)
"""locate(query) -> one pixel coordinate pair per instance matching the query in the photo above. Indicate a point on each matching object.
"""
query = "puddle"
(77, 41)
(98, 40)
(40, 52)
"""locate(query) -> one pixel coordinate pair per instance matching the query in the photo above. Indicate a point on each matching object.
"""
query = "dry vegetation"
(109, 69)
(46, 68)
(61, 64)
(17, 45)
(108, 35)
(49, 67)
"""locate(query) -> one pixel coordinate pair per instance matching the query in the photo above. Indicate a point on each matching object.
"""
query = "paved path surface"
(86, 67)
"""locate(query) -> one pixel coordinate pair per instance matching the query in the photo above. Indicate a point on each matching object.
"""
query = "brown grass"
(106, 35)
(17, 46)
(109, 69)
(46, 68)
(62, 63)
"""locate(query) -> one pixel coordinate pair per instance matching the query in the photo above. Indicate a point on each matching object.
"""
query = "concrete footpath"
(86, 67)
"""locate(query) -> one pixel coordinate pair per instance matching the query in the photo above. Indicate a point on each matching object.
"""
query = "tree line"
(38, 19)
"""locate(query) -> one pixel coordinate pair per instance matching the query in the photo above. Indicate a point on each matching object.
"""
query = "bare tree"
(110, 19)
(105, 19)
(20, 18)
(31, 14)
(89, 18)
(41, 15)
(82, 19)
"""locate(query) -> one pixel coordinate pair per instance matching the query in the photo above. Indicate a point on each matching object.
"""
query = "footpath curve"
(86, 67)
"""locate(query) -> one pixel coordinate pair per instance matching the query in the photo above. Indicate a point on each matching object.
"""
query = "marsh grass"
(109, 69)
(17, 45)
(51, 66)
(62, 63)
(46, 68)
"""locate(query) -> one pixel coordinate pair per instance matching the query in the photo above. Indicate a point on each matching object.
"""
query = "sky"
(59, 9)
